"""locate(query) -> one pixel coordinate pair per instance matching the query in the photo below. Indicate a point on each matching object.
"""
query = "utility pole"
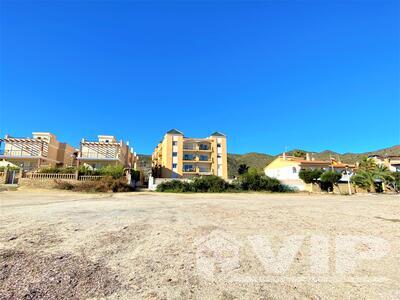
(348, 180)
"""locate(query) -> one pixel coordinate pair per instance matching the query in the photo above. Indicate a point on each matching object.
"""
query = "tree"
(395, 183)
(299, 153)
(368, 174)
(367, 164)
(310, 175)
(331, 178)
(243, 168)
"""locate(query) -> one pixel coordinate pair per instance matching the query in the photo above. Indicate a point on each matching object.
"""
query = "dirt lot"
(58, 245)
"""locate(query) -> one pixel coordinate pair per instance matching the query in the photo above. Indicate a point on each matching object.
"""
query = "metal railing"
(32, 153)
(99, 155)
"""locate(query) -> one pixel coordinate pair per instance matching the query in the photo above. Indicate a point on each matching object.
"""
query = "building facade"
(106, 151)
(39, 151)
(177, 156)
(287, 168)
(392, 162)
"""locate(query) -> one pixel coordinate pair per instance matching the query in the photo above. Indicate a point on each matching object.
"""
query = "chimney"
(308, 156)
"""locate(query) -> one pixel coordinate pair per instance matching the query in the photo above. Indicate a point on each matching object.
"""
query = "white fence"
(89, 177)
(60, 176)
(43, 176)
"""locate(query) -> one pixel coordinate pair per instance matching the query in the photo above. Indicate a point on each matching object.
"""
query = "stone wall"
(41, 184)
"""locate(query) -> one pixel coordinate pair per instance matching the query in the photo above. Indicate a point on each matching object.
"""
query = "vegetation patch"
(103, 185)
(249, 181)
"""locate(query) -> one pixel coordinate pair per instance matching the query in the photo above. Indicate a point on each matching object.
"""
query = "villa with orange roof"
(286, 169)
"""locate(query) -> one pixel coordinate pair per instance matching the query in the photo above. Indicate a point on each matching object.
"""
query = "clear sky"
(314, 75)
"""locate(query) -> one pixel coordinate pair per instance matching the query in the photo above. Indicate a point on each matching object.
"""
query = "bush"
(209, 184)
(11, 168)
(52, 170)
(310, 176)
(113, 171)
(252, 181)
(174, 186)
(106, 184)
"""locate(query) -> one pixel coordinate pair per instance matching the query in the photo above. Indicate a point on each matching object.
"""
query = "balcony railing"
(197, 170)
(21, 153)
(200, 147)
(98, 155)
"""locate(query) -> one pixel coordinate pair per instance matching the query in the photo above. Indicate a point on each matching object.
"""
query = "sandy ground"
(59, 245)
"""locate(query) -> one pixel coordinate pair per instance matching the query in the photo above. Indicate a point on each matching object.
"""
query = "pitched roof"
(217, 134)
(174, 131)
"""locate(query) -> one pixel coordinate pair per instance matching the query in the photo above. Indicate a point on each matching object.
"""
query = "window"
(188, 157)
(203, 147)
(188, 168)
(174, 143)
(174, 154)
(219, 145)
(219, 156)
(174, 166)
(203, 157)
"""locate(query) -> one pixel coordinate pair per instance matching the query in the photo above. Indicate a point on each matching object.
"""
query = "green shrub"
(174, 186)
(52, 170)
(85, 170)
(113, 171)
(208, 184)
(310, 176)
(11, 168)
(252, 181)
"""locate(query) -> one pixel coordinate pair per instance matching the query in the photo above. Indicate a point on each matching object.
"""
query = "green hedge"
(215, 184)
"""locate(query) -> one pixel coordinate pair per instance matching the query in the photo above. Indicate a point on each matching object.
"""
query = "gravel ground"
(63, 245)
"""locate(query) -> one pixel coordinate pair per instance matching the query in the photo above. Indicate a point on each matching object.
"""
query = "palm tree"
(367, 164)
(370, 173)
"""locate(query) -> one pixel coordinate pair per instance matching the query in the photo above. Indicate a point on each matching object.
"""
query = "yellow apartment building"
(177, 156)
(39, 151)
(106, 151)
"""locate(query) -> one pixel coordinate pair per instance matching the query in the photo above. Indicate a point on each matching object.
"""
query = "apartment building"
(286, 169)
(106, 151)
(177, 156)
(39, 151)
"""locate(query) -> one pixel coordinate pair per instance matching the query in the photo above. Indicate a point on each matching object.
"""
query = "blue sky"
(314, 75)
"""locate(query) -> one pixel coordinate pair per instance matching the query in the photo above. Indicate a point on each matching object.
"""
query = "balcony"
(197, 147)
(97, 155)
(197, 170)
(21, 153)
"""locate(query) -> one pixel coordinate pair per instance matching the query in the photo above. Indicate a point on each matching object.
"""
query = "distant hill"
(253, 159)
(260, 160)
